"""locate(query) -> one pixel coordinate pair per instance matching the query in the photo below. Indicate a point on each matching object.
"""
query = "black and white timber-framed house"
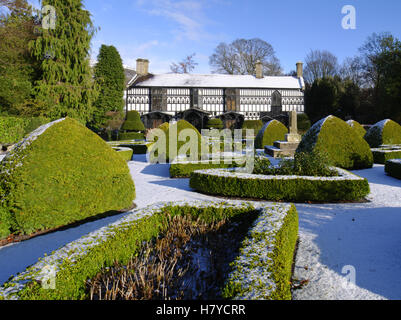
(196, 98)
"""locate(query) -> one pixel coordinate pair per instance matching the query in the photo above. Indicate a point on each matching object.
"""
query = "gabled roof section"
(176, 80)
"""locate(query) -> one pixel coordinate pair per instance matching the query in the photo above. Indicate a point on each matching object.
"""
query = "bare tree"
(320, 64)
(241, 55)
(351, 69)
(185, 66)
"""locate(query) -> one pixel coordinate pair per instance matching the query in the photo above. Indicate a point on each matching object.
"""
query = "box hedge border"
(382, 155)
(84, 258)
(393, 168)
(225, 182)
(125, 153)
(184, 169)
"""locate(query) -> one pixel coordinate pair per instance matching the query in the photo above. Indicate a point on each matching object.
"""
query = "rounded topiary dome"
(272, 131)
(359, 130)
(215, 123)
(385, 132)
(338, 140)
(60, 174)
(133, 122)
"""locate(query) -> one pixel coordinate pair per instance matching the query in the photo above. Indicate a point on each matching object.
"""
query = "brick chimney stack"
(259, 70)
(300, 70)
(142, 67)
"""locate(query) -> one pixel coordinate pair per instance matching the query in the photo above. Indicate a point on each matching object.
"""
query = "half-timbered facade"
(250, 97)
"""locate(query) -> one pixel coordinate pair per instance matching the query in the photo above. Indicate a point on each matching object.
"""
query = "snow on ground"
(365, 236)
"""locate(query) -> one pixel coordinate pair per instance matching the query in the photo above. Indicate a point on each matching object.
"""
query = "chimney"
(300, 72)
(142, 67)
(259, 70)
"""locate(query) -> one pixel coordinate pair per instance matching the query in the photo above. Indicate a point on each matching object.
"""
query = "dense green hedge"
(335, 138)
(385, 132)
(64, 175)
(285, 188)
(125, 153)
(242, 285)
(133, 122)
(359, 130)
(255, 125)
(14, 129)
(304, 123)
(381, 155)
(130, 136)
(215, 123)
(272, 131)
(184, 170)
(118, 244)
(393, 168)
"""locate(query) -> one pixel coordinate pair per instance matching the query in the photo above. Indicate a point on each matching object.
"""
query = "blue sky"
(166, 31)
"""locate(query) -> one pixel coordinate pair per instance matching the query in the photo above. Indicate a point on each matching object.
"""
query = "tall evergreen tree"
(66, 87)
(110, 78)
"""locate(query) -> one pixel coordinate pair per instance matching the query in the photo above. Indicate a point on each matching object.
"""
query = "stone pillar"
(293, 136)
(300, 71)
(142, 67)
(259, 70)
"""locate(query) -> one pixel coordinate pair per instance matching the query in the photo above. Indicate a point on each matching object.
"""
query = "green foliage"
(65, 86)
(14, 129)
(133, 122)
(184, 170)
(393, 168)
(255, 125)
(314, 164)
(130, 136)
(272, 131)
(125, 153)
(382, 155)
(385, 132)
(120, 245)
(304, 123)
(110, 78)
(359, 130)
(18, 70)
(279, 264)
(297, 189)
(334, 137)
(65, 175)
(215, 123)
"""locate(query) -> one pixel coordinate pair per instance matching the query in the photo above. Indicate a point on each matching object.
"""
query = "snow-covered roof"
(220, 81)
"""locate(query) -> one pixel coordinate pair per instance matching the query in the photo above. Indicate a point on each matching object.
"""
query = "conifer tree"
(66, 87)
(110, 78)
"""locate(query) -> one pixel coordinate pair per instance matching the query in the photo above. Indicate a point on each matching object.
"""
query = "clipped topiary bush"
(14, 129)
(272, 131)
(334, 137)
(62, 173)
(215, 123)
(393, 168)
(385, 132)
(255, 125)
(123, 136)
(133, 122)
(359, 130)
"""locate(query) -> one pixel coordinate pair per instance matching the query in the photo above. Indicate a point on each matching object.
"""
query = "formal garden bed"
(384, 153)
(295, 188)
(261, 238)
(393, 168)
(124, 152)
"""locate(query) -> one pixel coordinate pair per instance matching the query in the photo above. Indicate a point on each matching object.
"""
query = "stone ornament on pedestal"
(293, 136)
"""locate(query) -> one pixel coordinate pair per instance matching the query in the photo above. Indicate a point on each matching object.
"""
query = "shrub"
(255, 125)
(133, 122)
(184, 170)
(215, 123)
(334, 137)
(130, 136)
(304, 123)
(125, 153)
(359, 130)
(393, 168)
(272, 131)
(122, 240)
(14, 129)
(385, 132)
(61, 174)
(223, 182)
(382, 155)
(244, 281)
